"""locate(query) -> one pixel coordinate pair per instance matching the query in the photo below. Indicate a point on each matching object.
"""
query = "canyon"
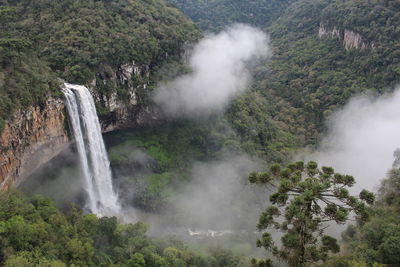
(35, 135)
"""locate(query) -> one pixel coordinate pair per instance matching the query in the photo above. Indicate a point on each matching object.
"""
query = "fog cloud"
(219, 195)
(219, 72)
(362, 138)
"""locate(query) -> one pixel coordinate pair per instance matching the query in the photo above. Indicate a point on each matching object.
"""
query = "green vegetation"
(156, 160)
(86, 37)
(311, 199)
(214, 15)
(35, 233)
(82, 40)
(286, 107)
(308, 78)
(378, 240)
(24, 79)
(172, 145)
(259, 133)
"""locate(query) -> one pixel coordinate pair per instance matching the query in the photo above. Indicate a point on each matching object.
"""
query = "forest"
(250, 171)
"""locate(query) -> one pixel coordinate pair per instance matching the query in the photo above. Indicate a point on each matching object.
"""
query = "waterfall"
(102, 199)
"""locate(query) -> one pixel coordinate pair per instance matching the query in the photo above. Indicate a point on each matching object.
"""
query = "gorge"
(167, 127)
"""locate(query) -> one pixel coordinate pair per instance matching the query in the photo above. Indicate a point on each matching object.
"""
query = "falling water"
(102, 199)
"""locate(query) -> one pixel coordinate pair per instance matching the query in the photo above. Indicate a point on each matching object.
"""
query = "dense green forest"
(311, 77)
(378, 239)
(79, 41)
(308, 77)
(34, 232)
(284, 109)
(214, 15)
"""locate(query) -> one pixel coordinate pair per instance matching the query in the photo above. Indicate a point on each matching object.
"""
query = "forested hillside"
(378, 239)
(314, 74)
(79, 41)
(323, 53)
(314, 70)
(214, 15)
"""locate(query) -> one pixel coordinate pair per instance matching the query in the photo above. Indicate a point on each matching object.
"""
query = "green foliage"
(80, 38)
(35, 233)
(306, 199)
(348, 261)
(24, 81)
(172, 145)
(377, 241)
(7, 14)
(249, 115)
(308, 77)
(215, 15)
(157, 160)
(80, 41)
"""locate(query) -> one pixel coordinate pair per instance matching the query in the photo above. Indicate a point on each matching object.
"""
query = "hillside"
(214, 15)
(324, 52)
(315, 70)
(204, 179)
(81, 42)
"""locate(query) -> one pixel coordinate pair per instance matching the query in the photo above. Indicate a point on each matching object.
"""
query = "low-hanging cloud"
(362, 139)
(219, 196)
(219, 72)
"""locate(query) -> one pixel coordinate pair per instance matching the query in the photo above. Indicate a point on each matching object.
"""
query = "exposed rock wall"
(349, 38)
(30, 138)
(34, 136)
(325, 32)
(132, 108)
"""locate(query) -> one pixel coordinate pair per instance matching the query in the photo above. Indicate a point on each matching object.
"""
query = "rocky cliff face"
(349, 38)
(34, 136)
(127, 106)
(30, 138)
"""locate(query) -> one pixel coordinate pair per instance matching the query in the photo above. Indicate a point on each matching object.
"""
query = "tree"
(306, 200)
(7, 14)
(377, 241)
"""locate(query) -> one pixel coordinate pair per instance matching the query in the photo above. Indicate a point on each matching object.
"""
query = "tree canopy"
(307, 198)
(33, 232)
(79, 41)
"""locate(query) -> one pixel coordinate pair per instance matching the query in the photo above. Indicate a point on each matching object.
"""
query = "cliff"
(113, 47)
(30, 138)
(127, 106)
(349, 38)
(35, 135)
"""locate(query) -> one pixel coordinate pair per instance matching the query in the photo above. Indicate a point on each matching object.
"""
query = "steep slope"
(324, 52)
(216, 14)
(327, 51)
(113, 47)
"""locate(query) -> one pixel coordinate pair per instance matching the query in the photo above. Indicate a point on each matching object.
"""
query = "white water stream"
(102, 200)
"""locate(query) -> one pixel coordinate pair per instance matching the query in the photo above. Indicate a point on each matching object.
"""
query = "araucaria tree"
(306, 200)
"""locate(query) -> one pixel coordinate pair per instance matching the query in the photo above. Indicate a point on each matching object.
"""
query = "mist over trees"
(192, 168)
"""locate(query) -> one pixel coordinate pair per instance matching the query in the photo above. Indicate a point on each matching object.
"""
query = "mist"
(60, 179)
(362, 138)
(219, 72)
(219, 195)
